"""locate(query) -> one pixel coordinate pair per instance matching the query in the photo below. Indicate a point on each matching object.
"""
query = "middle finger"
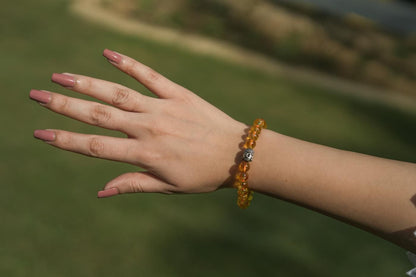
(86, 111)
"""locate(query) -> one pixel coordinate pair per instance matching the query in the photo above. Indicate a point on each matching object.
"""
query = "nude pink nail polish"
(107, 193)
(63, 80)
(40, 96)
(112, 56)
(44, 135)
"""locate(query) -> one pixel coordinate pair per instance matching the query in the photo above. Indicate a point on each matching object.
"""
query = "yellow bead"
(244, 166)
(260, 123)
(241, 176)
(242, 205)
(250, 143)
(253, 135)
(255, 129)
(245, 195)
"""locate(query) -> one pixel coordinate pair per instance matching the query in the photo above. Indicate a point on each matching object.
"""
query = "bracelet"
(245, 194)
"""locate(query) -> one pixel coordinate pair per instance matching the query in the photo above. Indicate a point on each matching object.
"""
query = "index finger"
(154, 81)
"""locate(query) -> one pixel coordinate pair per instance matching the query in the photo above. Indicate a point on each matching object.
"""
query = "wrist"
(264, 164)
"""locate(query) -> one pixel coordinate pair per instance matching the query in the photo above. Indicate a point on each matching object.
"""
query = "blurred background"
(338, 73)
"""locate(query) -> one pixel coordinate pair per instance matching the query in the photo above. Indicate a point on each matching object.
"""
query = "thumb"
(135, 182)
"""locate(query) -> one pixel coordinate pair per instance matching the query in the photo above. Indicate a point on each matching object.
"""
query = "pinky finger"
(135, 182)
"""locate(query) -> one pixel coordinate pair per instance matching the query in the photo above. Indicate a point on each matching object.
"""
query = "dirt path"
(92, 11)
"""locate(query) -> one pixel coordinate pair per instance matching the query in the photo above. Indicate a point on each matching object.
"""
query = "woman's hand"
(185, 144)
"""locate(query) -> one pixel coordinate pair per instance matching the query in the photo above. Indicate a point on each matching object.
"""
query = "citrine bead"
(242, 205)
(253, 135)
(260, 123)
(244, 166)
(250, 144)
(255, 129)
(245, 195)
(241, 176)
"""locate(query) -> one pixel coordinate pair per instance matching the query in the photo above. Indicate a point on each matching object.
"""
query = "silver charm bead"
(248, 155)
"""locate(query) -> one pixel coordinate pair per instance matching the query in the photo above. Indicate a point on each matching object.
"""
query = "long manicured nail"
(112, 56)
(107, 193)
(41, 96)
(44, 135)
(63, 80)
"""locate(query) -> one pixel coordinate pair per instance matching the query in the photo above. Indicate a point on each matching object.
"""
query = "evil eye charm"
(248, 155)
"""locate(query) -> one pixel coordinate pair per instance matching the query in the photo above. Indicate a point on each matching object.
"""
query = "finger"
(135, 182)
(155, 82)
(110, 148)
(111, 93)
(86, 111)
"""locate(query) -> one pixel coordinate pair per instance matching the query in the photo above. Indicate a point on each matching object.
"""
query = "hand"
(185, 144)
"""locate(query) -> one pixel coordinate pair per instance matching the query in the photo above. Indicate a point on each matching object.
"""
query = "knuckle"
(63, 104)
(120, 96)
(130, 68)
(135, 185)
(84, 83)
(150, 156)
(188, 97)
(63, 139)
(150, 76)
(95, 147)
(158, 128)
(153, 158)
(100, 115)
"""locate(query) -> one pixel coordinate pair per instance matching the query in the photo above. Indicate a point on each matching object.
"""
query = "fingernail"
(112, 56)
(63, 80)
(107, 193)
(40, 96)
(44, 135)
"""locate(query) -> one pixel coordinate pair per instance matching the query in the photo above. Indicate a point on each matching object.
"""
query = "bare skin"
(186, 145)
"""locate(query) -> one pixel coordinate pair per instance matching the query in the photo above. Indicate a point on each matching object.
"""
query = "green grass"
(53, 225)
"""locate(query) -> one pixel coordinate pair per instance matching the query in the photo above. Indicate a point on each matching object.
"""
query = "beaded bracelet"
(245, 194)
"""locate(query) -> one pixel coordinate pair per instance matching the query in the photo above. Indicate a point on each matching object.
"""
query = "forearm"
(372, 193)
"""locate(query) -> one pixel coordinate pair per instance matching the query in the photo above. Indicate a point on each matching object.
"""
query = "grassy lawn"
(53, 224)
